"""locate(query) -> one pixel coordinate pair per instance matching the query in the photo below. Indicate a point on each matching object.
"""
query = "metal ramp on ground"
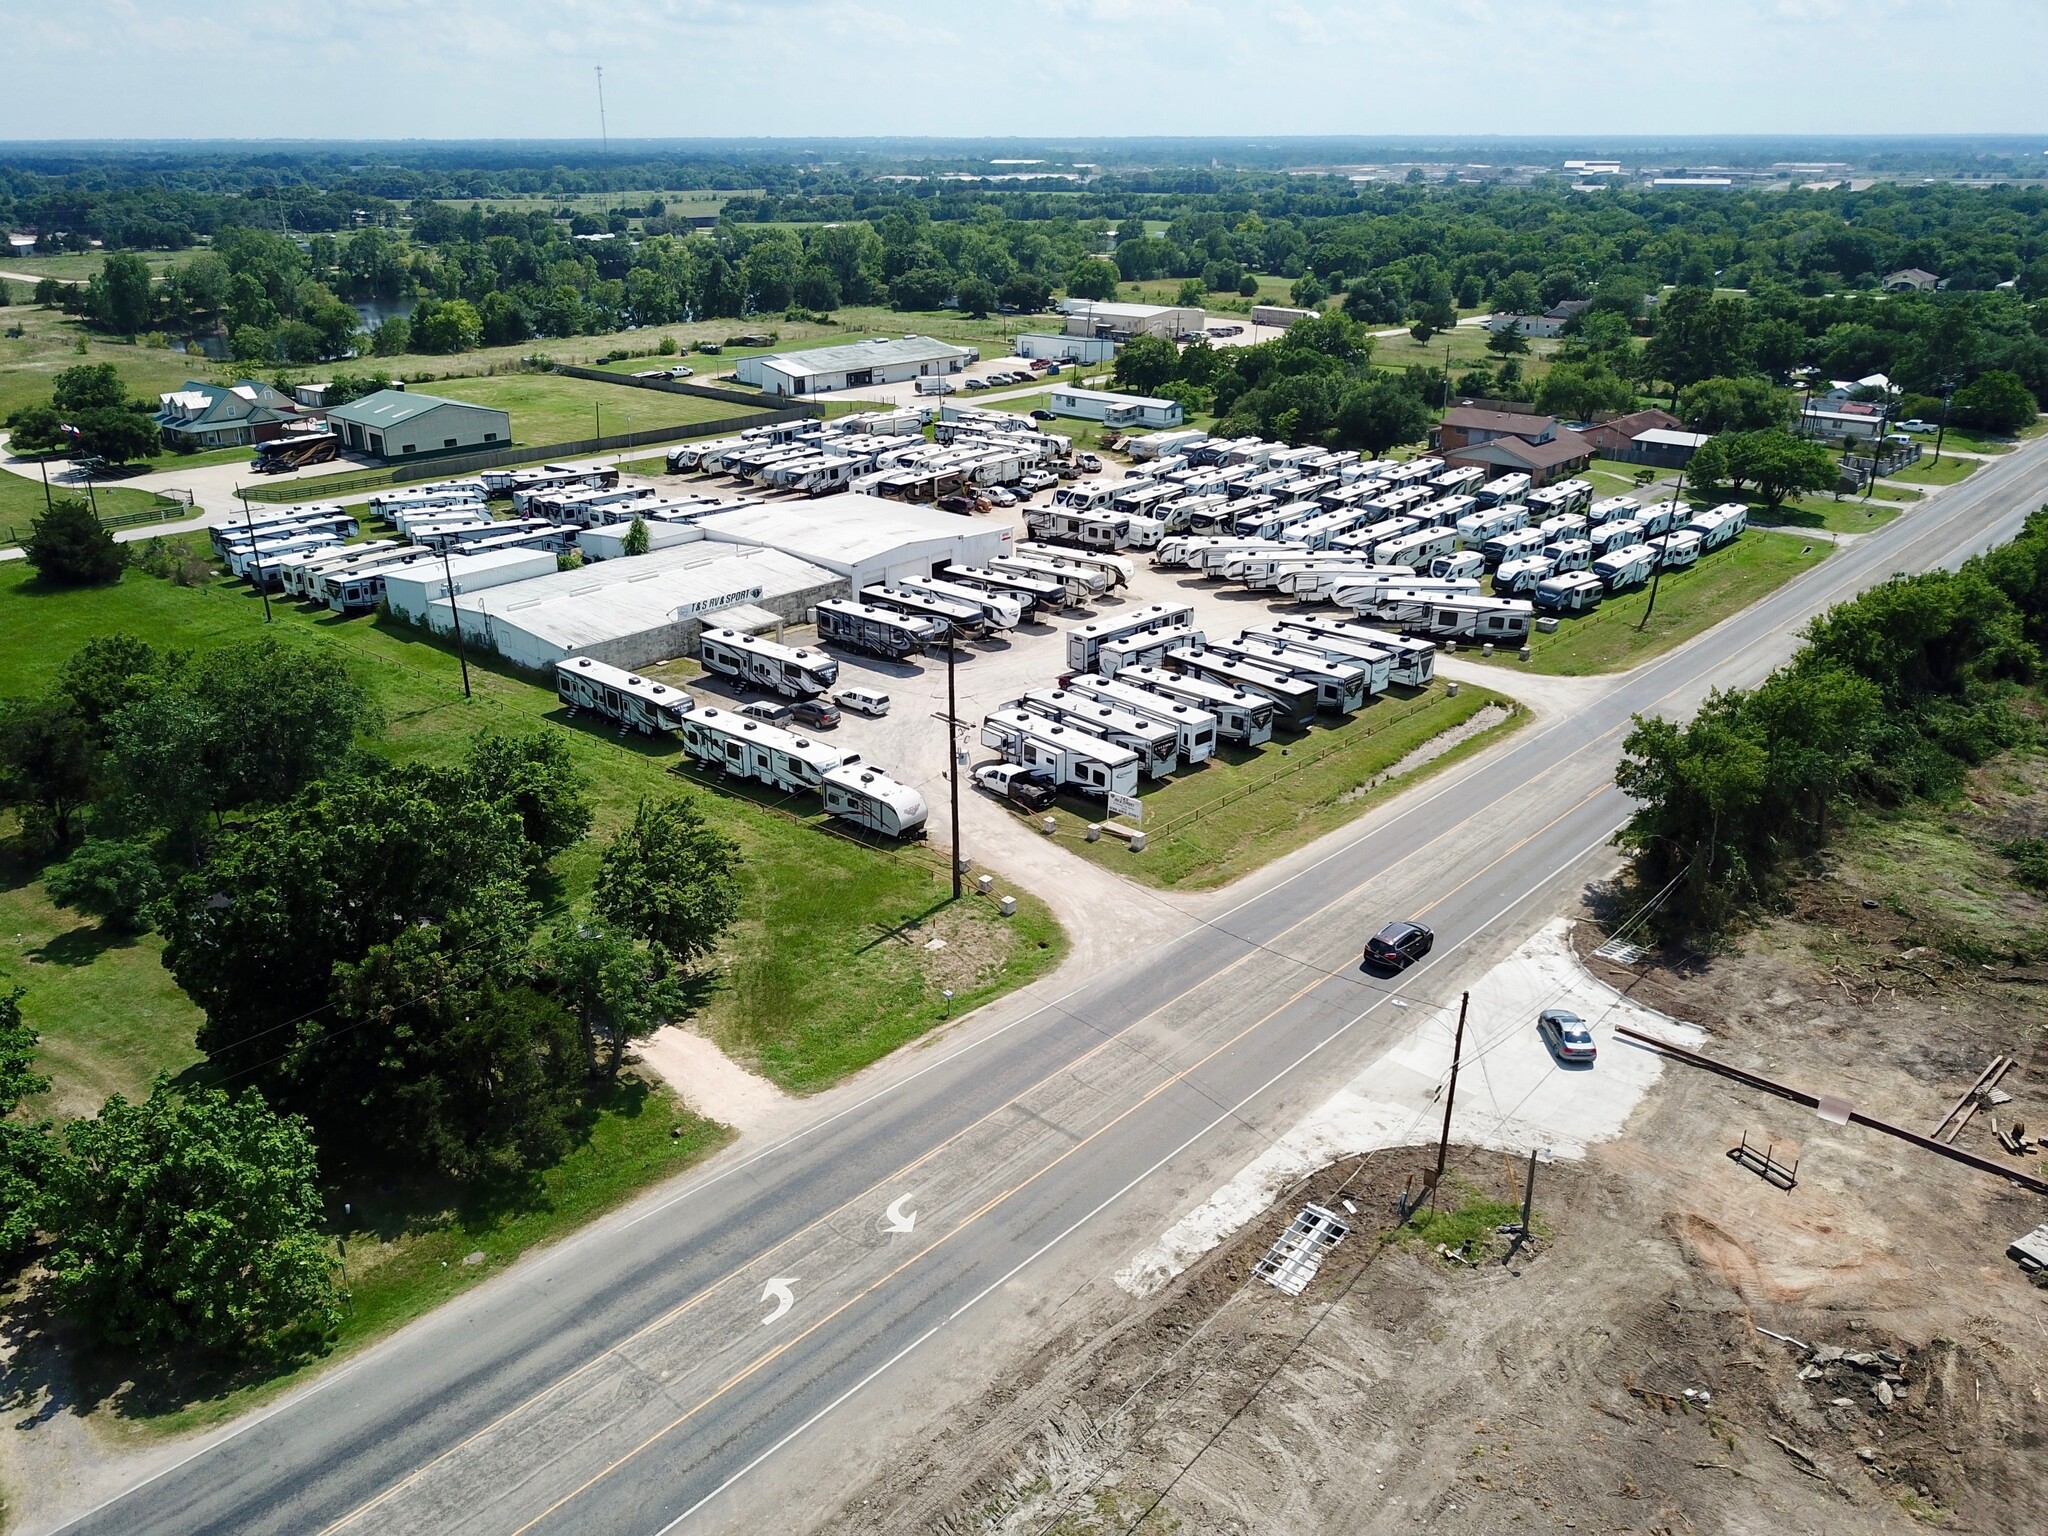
(1621, 952)
(1299, 1252)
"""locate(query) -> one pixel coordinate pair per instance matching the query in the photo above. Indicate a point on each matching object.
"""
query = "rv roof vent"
(631, 679)
(583, 661)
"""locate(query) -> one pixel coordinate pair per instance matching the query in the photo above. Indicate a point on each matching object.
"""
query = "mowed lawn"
(1689, 602)
(1246, 806)
(21, 503)
(551, 408)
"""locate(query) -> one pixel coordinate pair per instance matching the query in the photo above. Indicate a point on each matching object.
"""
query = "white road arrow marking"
(784, 1299)
(898, 1219)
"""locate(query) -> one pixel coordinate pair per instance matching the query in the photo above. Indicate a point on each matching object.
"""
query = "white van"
(863, 701)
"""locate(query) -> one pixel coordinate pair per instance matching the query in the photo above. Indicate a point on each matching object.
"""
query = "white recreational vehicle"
(1570, 592)
(1240, 714)
(626, 697)
(1078, 582)
(1156, 744)
(1719, 525)
(1501, 490)
(1518, 544)
(1147, 649)
(1412, 662)
(1415, 549)
(869, 798)
(783, 669)
(1067, 755)
(1501, 620)
(1628, 566)
(747, 748)
(884, 632)
(1118, 569)
(965, 617)
(1084, 641)
(1619, 534)
(1609, 508)
(1375, 662)
(998, 611)
(1518, 577)
(1194, 729)
(1462, 565)
(1294, 699)
(1570, 555)
(1341, 687)
(1678, 550)
(1090, 497)
(1475, 528)
(1028, 592)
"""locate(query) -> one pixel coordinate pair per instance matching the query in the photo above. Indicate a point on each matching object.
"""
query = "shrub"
(68, 547)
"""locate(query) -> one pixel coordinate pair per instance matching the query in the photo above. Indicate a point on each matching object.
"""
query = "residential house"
(1510, 442)
(1611, 437)
(197, 415)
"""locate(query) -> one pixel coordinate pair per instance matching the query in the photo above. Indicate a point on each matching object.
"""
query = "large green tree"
(46, 766)
(1700, 335)
(1747, 404)
(670, 878)
(69, 547)
(26, 1149)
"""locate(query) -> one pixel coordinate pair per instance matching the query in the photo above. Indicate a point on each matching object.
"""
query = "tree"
(1381, 412)
(977, 296)
(1748, 404)
(117, 297)
(25, 1145)
(392, 336)
(1248, 287)
(1308, 291)
(1191, 294)
(453, 326)
(1026, 291)
(1093, 278)
(1579, 391)
(1516, 294)
(192, 1223)
(636, 540)
(1507, 340)
(1778, 464)
(87, 387)
(46, 766)
(1699, 336)
(69, 548)
(281, 716)
(1422, 330)
(670, 879)
(108, 673)
(1147, 363)
(922, 288)
(617, 991)
(1997, 401)
(36, 429)
(535, 778)
(119, 435)
(111, 880)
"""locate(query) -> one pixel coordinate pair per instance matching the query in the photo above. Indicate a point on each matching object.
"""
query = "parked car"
(1016, 784)
(1088, 463)
(681, 372)
(977, 383)
(1042, 414)
(960, 504)
(1036, 480)
(818, 714)
(1052, 371)
(1567, 1035)
(1002, 496)
(769, 710)
(1916, 425)
(1040, 364)
(1398, 946)
(865, 701)
(713, 347)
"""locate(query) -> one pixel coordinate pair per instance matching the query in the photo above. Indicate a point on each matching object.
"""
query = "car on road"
(863, 701)
(1042, 414)
(1037, 480)
(934, 387)
(1019, 785)
(1568, 1036)
(1398, 946)
(768, 710)
(818, 714)
(1916, 425)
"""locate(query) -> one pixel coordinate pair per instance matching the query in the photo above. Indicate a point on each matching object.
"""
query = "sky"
(465, 69)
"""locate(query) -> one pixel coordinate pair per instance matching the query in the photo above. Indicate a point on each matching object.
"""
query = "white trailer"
(1341, 687)
(967, 617)
(1475, 528)
(1363, 540)
(1084, 497)
(1240, 714)
(1679, 550)
(1157, 445)
(788, 670)
(1294, 698)
(1415, 549)
(1143, 497)
(1118, 569)
(1156, 744)
(1618, 534)
(1028, 592)
(1459, 482)
(423, 499)
(1518, 544)
(625, 697)
(884, 632)
(1518, 577)
(1277, 522)
(1067, 755)
(300, 577)
(1413, 662)
(1501, 490)
(864, 795)
(1084, 641)
(1628, 566)
(1502, 620)
(1570, 592)
(259, 525)
(1194, 729)
(998, 611)
(1459, 565)
(1719, 525)
(1079, 583)
(1444, 512)
(1367, 594)
(1565, 496)
(262, 564)
(747, 748)
(1609, 508)
(1149, 649)
(1376, 663)
(1570, 555)
(1662, 518)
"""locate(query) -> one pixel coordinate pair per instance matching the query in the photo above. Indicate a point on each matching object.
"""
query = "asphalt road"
(641, 1373)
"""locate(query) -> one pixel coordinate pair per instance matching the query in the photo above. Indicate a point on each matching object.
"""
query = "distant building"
(1911, 280)
(1611, 438)
(1281, 316)
(21, 245)
(197, 415)
(1064, 349)
(1120, 322)
(857, 365)
(399, 424)
(1115, 410)
(1510, 442)
(1665, 447)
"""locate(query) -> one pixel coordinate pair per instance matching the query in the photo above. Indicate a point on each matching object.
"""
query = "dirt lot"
(1618, 1377)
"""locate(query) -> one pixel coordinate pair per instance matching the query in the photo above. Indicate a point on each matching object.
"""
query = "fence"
(675, 387)
(167, 507)
(323, 486)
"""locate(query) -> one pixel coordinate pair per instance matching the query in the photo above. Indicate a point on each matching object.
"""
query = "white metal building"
(1115, 410)
(1280, 315)
(1064, 349)
(398, 424)
(865, 539)
(1099, 317)
(633, 612)
(410, 591)
(856, 365)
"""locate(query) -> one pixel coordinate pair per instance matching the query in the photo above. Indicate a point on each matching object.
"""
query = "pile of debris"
(2014, 1138)
(1831, 1372)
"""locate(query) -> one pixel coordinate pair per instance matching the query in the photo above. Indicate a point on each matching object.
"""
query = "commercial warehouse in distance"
(398, 424)
(856, 365)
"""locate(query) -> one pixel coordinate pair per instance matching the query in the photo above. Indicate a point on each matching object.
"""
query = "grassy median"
(1245, 807)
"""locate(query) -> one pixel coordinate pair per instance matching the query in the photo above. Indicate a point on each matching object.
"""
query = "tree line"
(391, 985)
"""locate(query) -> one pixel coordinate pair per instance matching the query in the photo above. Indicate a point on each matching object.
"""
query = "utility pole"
(249, 523)
(44, 465)
(1677, 496)
(455, 614)
(1443, 1146)
(953, 758)
(91, 500)
(1948, 392)
(600, 422)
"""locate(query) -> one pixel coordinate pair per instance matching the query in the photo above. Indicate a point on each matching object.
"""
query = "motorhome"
(627, 698)
(853, 791)
(1475, 528)
(1084, 641)
(1341, 687)
(1293, 697)
(1241, 715)
(1462, 565)
(1067, 755)
(877, 631)
(966, 618)
(1678, 550)
(1413, 663)
(1118, 568)
(1618, 534)
(1518, 577)
(1628, 566)
(747, 748)
(788, 670)
(1157, 745)
(1570, 555)
(998, 611)
(1570, 592)
(1194, 729)
(1374, 663)
(1501, 490)
(1028, 592)
(1516, 545)
(1416, 549)
(1148, 649)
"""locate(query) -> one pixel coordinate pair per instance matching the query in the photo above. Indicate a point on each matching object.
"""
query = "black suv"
(1398, 946)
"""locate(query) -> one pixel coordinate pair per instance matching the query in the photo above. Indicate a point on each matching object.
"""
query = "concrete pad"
(713, 1084)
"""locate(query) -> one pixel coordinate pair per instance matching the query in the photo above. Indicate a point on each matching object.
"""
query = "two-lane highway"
(619, 1381)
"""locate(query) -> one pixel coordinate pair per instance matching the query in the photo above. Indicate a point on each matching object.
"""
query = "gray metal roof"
(863, 354)
(388, 407)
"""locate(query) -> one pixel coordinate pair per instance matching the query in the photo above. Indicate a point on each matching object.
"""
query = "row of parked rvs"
(883, 453)
(743, 747)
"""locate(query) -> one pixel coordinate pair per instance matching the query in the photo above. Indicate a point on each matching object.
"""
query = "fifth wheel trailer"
(1294, 698)
(1240, 714)
(1072, 758)
(1414, 664)
(1156, 744)
(783, 669)
(1084, 641)
(883, 632)
(626, 697)
(1195, 729)
(998, 611)
(1340, 687)
(753, 749)
(869, 798)
(1118, 569)
(1147, 649)
(1375, 662)
(1028, 592)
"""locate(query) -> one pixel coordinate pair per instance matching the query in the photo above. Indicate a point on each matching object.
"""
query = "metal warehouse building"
(398, 424)
(636, 611)
(1099, 317)
(854, 366)
(863, 538)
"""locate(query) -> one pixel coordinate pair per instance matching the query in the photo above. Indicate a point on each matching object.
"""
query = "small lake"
(375, 312)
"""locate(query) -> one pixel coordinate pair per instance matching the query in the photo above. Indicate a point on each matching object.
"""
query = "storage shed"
(398, 424)
(867, 540)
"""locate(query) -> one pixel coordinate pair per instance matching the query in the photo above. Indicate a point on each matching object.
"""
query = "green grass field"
(1247, 806)
(21, 502)
(1946, 470)
(1689, 602)
(550, 408)
(80, 265)
(51, 341)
